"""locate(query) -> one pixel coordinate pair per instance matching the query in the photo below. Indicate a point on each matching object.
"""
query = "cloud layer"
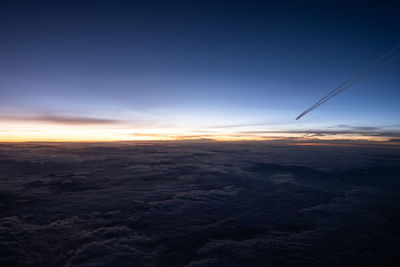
(197, 204)
(60, 119)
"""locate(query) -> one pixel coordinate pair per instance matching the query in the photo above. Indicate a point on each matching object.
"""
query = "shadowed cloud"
(198, 204)
(378, 131)
(60, 119)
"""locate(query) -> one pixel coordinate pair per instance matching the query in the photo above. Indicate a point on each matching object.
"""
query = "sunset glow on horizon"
(157, 71)
(29, 131)
(199, 133)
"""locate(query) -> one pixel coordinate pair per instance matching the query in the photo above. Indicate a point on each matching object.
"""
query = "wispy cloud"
(60, 119)
(329, 132)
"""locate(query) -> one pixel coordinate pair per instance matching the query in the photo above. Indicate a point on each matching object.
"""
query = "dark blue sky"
(198, 64)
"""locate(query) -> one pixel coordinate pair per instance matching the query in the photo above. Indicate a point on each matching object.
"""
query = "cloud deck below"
(198, 204)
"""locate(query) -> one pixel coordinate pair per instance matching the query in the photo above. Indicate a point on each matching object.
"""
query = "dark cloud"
(197, 204)
(366, 128)
(361, 128)
(362, 131)
(60, 119)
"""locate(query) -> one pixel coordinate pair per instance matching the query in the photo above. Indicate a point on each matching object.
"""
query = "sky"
(222, 70)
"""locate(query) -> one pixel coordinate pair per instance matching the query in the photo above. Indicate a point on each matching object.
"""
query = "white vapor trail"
(371, 68)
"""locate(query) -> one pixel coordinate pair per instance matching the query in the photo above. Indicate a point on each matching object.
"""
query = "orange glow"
(17, 131)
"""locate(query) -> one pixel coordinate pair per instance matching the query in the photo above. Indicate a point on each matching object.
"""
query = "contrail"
(349, 80)
(371, 68)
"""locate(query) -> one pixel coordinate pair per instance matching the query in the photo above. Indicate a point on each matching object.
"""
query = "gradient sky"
(118, 70)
